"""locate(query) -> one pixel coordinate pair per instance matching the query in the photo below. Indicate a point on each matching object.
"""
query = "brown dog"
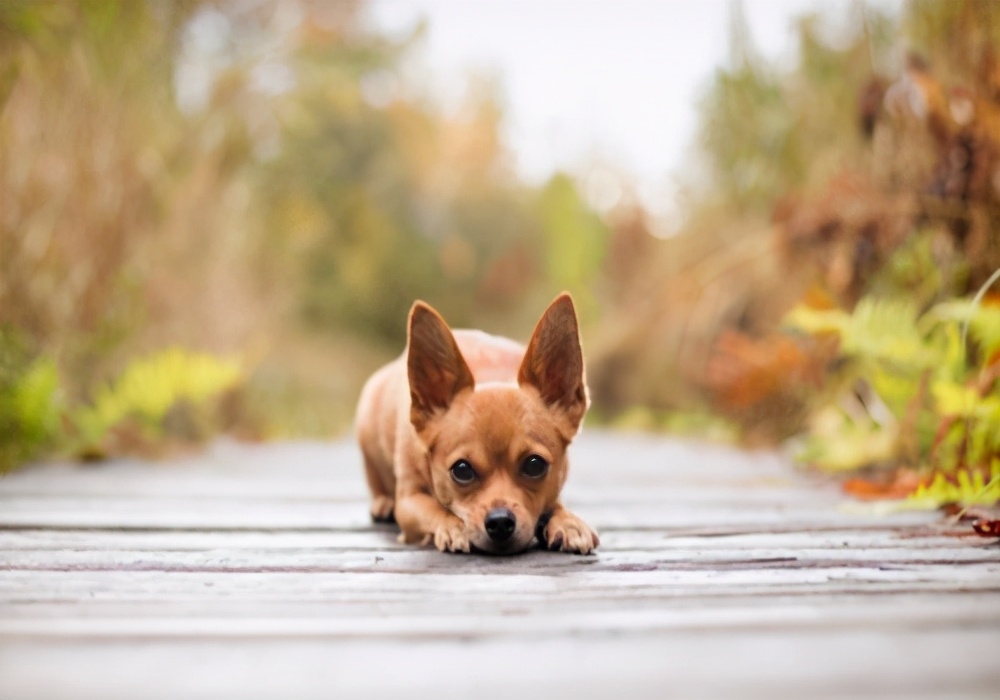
(464, 437)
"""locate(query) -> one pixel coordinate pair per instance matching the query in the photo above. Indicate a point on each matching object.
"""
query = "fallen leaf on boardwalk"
(987, 528)
(902, 484)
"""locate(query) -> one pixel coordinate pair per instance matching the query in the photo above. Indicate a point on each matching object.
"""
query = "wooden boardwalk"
(253, 572)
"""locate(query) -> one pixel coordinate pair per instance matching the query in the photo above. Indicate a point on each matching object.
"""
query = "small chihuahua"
(464, 437)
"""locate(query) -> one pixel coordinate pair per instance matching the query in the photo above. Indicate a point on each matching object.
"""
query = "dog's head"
(497, 452)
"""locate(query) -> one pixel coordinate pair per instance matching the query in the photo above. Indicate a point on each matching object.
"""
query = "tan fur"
(466, 395)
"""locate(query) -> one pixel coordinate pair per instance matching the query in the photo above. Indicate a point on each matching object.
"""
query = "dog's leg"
(565, 532)
(423, 520)
(383, 502)
(421, 517)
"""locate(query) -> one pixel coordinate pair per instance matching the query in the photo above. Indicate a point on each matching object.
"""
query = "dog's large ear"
(435, 366)
(553, 363)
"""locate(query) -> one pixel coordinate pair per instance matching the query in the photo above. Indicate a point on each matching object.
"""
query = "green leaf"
(880, 330)
(815, 321)
(965, 488)
(954, 399)
(983, 320)
(29, 412)
(150, 386)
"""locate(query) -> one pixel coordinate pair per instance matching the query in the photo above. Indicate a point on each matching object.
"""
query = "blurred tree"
(767, 132)
(387, 200)
(576, 241)
(88, 133)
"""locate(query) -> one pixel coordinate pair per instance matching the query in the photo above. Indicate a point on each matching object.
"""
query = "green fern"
(151, 386)
(29, 412)
(964, 488)
(983, 321)
(919, 368)
(878, 331)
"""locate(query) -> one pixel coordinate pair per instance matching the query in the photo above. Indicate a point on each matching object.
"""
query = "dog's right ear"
(553, 362)
(435, 366)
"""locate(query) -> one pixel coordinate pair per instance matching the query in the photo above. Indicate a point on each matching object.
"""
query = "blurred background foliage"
(238, 191)
(239, 178)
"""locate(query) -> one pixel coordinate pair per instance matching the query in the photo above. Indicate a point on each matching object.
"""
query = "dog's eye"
(462, 472)
(534, 467)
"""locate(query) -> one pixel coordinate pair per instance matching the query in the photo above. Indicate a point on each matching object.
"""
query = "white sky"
(585, 82)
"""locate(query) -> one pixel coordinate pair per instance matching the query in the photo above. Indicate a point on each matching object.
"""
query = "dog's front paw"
(565, 532)
(382, 509)
(450, 536)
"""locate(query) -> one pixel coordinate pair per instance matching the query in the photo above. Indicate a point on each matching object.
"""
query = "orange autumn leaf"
(902, 484)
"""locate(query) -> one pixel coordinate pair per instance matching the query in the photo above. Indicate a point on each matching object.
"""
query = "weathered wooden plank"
(384, 537)
(516, 620)
(291, 470)
(372, 586)
(479, 617)
(412, 559)
(725, 664)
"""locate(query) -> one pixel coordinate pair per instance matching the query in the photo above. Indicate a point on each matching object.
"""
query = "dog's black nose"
(500, 524)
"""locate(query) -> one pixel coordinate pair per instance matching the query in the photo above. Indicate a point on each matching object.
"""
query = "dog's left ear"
(436, 370)
(553, 363)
